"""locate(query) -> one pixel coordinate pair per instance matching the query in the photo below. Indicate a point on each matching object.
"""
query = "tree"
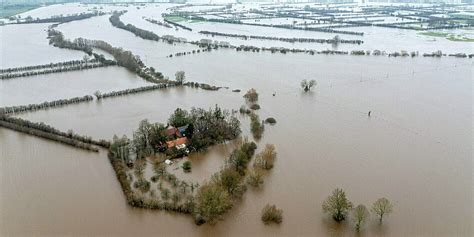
(307, 85)
(359, 216)
(238, 160)
(251, 95)
(180, 77)
(179, 118)
(266, 158)
(272, 214)
(337, 205)
(382, 207)
(212, 201)
(165, 194)
(255, 178)
(231, 180)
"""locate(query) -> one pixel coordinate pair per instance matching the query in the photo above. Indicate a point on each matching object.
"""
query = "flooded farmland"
(415, 147)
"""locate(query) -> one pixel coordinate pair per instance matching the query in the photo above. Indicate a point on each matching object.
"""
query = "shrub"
(251, 95)
(244, 110)
(187, 166)
(255, 107)
(266, 158)
(255, 178)
(142, 185)
(255, 126)
(271, 214)
(270, 120)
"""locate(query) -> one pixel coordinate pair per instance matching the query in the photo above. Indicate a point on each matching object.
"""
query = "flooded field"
(50, 87)
(415, 148)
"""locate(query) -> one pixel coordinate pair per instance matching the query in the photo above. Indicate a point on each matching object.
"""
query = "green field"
(459, 38)
(434, 34)
(174, 18)
(450, 37)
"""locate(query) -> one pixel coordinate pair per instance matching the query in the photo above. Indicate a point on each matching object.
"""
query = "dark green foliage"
(231, 181)
(187, 166)
(255, 107)
(179, 118)
(270, 120)
(256, 127)
(142, 185)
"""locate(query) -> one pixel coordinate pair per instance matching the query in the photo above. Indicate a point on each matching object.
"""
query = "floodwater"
(415, 149)
(64, 85)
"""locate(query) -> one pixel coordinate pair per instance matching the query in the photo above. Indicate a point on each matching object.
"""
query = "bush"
(270, 120)
(256, 127)
(251, 95)
(255, 178)
(244, 110)
(186, 166)
(271, 214)
(142, 185)
(255, 107)
(266, 158)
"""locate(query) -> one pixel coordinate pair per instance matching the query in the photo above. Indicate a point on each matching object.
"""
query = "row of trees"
(49, 65)
(61, 18)
(335, 40)
(339, 207)
(46, 131)
(100, 95)
(76, 67)
(44, 105)
(153, 21)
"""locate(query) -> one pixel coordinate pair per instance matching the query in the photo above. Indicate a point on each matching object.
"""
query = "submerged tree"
(337, 205)
(251, 95)
(382, 207)
(212, 201)
(307, 85)
(359, 216)
(271, 213)
(180, 77)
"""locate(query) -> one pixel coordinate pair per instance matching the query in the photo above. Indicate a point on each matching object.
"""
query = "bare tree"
(382, 207)
(359, 216)
(307, 85)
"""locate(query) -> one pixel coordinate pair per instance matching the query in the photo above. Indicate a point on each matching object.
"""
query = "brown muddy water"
(416, 149)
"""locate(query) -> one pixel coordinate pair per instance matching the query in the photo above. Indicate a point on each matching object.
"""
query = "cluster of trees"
(123, 57)
(339, 207)
(56, 38)
(335, 40)
(136, 199)
(55, 69)
(215, 197)
(204, 128)
(51, 133)
(45, 105)
(100, 95)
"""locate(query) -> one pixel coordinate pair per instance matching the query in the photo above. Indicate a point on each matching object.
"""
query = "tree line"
(61, 19)
(100, 95)
(335, 40)
(44, 105)
(51, 133)
(57, 69)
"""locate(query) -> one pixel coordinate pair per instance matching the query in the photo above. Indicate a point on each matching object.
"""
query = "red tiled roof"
(176, 142)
